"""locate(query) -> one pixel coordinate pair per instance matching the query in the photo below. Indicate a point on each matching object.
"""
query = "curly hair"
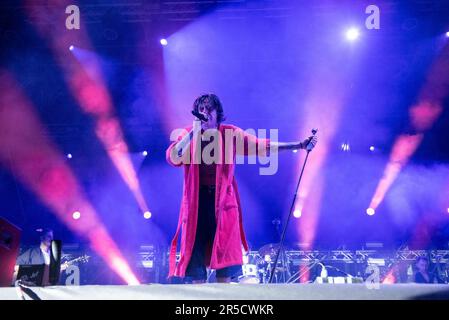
(211, 102)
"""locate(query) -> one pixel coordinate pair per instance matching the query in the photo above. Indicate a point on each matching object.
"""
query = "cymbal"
(270, 249)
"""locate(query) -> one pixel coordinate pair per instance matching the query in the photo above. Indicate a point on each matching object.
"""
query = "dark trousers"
(204, 239)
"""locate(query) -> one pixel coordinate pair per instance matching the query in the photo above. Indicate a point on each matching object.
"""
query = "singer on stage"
(210, 218)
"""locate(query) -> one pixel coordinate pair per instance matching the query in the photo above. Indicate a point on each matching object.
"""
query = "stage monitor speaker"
(9, 249)
(31, 274)
(55, 262)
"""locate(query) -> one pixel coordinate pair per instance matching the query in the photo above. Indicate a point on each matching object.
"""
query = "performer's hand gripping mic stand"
(308, 148)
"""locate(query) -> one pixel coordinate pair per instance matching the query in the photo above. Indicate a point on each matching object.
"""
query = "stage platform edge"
(232, 292)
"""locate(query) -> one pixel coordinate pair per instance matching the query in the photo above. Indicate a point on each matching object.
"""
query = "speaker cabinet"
(9, 249)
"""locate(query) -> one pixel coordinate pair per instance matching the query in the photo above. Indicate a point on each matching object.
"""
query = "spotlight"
(295, 150)
(71, 48)
(345, 147)
(447, 34)
(372, 148)
(352, 34)
(147, 214)
(69, 156)
(76, 215)
(447, 210)
(297, 213)
(370, 211)
(145, 153)
(164, 42)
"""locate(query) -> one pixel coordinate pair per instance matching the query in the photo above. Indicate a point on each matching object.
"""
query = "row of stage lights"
(344, 147)
(370, 211)
(76, 215)
(297, 213)
(143, 153)
(351, 34)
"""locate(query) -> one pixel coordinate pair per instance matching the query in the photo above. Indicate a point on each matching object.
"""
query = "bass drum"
(250, 274)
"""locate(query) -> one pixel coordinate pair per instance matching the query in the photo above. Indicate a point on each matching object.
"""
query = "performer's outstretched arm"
(252, 144)
(311, 142)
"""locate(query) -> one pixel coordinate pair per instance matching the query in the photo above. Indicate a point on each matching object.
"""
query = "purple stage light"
(352, 34)
(144, 153)
(370, 211)
(69, 156)
(76, 215)
(71, 48)
(147, 214)
(345, 147)
(447, 34)
(164, 42)
(297, 213)
(372, 148)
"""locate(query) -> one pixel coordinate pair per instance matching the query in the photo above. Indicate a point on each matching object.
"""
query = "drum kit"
(258, 267)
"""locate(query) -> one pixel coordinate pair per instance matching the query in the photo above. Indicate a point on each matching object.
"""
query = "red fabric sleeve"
(170, 155)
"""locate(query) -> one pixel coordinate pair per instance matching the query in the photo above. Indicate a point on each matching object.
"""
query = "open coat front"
(229, 235)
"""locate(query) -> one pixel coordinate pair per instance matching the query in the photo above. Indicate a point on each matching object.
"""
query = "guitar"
(64, 265)
(81, 259)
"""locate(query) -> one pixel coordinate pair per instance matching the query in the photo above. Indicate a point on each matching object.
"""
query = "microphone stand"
(314, 131)
(277, 223)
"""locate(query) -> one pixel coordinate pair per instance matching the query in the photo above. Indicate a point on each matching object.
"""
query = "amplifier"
(9, 249)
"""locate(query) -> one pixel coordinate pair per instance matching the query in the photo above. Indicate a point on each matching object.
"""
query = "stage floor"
(233, 292)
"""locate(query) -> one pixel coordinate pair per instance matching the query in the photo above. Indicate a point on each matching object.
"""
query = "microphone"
(199, 116)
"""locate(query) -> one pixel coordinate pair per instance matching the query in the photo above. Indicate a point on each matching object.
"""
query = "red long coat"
(229, 236)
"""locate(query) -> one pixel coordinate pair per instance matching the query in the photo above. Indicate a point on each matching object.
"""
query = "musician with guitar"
(40, 255)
